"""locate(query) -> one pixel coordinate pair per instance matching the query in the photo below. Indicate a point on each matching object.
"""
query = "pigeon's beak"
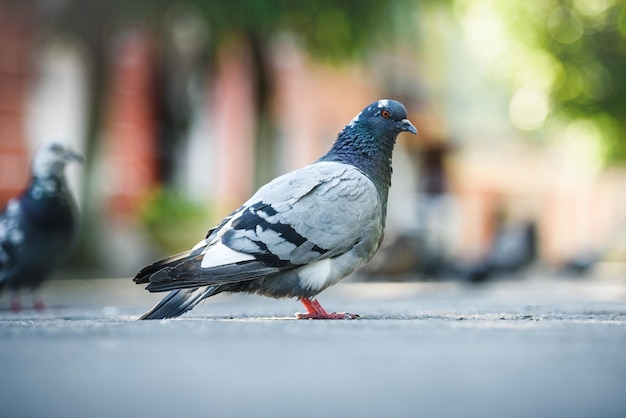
(73, 156)
(406, 125)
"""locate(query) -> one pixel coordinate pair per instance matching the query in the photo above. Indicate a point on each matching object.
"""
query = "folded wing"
(311, 214)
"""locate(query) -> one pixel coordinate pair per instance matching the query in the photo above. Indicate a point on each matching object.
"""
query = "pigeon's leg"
(38, 303)
(315, 311)
(37, 300)
(16, 305)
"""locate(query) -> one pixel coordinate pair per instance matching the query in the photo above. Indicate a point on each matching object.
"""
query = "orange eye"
(385, 113)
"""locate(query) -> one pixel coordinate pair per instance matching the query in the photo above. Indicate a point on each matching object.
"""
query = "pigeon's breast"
(51, 214)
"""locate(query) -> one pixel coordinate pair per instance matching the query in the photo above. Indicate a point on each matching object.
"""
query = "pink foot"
(315, 311)
(16, 306)
(39, 305)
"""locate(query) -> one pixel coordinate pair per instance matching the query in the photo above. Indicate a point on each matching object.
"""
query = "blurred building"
(16, 66)
(478, 165)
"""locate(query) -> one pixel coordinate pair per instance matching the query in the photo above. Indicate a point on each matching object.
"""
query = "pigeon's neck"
(48, 187)
(372, 155)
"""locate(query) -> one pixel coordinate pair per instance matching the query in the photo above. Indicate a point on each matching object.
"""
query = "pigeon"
(300, 233)
(38, 228)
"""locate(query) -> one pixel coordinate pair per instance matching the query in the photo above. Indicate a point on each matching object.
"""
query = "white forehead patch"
(383, 103)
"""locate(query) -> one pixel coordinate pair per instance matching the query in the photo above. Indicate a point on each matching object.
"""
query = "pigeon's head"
(51, 159)
(384, 118)
(368, 140)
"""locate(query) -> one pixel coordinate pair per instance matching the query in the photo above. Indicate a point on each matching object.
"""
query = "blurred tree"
(588, 38)
(565, 60)
(187, 36)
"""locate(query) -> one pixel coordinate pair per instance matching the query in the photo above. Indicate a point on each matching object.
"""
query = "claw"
(316, 311)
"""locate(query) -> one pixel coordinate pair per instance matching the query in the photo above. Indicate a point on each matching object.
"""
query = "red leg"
(38, 304)
(315, 311)
(16, 305)
(37, 300)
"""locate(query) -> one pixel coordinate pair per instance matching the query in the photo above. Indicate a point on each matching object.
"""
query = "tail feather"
(190, 274)
(144, 274)
(178, 302)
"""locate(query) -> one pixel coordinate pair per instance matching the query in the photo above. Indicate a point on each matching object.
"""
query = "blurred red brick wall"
(130, 146)
(17, 20)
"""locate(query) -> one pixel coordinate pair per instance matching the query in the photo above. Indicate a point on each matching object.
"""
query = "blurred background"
(183, 108)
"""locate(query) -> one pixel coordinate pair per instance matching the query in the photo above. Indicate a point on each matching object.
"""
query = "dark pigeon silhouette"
(513, 249)
(581, 263)
(300, 233)
(37, 229)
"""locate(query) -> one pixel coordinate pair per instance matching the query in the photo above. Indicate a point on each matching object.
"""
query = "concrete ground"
(533, 348)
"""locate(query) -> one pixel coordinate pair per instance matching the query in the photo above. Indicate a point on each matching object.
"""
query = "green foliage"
(590, 45)
(573, 51)
(168, 206)
(173, 221)
(333, 30)
(328, 29)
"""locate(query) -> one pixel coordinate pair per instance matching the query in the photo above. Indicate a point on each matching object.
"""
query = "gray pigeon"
(37, 229)
(299, 234)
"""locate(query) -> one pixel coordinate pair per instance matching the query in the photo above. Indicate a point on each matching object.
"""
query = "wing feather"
(308, 215)
(322, 220)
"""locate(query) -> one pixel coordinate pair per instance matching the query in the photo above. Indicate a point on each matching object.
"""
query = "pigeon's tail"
(144, 275)
(177, 302)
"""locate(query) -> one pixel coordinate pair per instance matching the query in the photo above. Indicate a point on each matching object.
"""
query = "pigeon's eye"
(385, 114)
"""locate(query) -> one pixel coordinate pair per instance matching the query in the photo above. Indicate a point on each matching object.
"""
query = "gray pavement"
(534, 348)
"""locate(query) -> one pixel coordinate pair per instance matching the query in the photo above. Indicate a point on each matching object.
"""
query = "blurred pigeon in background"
(38, 228)
(513, 249)
(300, 233)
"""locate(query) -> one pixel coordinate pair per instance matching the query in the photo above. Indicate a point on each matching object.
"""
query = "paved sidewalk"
(537, 348)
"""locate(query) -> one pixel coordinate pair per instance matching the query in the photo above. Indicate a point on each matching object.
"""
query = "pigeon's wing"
(310, 214)
(11, 238)
(189, 270)
(144, 274)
